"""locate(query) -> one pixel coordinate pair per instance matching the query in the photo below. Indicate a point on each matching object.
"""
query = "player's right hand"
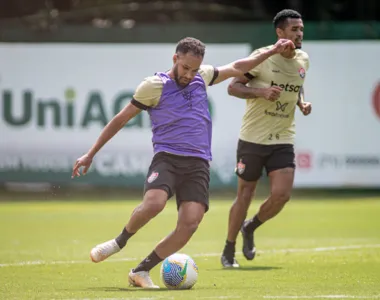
(83, 161)
(272, 93)
(283, 45)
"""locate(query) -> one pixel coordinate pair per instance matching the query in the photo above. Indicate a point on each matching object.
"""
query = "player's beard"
(300, 44)
(176, 76)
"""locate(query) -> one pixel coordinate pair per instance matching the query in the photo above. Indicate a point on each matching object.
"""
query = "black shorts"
(186, 177)
(252, 158)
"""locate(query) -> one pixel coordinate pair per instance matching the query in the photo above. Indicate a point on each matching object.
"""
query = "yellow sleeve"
(148, 92)
(304, 58)
(307, 63)
(208, 74)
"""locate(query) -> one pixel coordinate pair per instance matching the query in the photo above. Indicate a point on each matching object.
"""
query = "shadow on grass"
(248, 268)
(134, 289)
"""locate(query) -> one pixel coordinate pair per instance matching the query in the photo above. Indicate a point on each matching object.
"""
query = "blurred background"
(67, 66)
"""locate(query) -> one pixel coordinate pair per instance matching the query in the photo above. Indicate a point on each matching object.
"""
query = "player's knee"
(245, 193)
(188, 227)
(280, 197)
(153, 204)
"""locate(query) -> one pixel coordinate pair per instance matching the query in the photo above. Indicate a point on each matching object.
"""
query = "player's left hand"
(305, 108)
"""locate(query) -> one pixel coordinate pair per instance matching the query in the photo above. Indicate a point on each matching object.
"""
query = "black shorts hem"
(160, 187)
(206, 205)
(269, 170)
(248, 178)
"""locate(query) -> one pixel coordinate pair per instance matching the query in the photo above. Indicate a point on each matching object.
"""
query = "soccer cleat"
(249, 249)
(228, 262)
(141, 279)
(102, 251)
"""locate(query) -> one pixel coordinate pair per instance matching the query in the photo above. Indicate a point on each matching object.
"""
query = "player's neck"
(289, 54)
(171, 74)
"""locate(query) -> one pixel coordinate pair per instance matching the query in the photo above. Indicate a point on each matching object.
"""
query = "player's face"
(185, 68)
(293, 31)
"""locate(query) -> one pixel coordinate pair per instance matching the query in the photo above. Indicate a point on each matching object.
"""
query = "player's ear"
(279, 32)
(175, 58)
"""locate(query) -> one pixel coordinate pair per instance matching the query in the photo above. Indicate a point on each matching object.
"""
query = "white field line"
(155, 298)
(134, 298)
(237, 297)
(215, 254)
(142, 298)
(323, 297)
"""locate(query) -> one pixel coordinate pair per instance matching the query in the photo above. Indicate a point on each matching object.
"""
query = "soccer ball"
(179, 271)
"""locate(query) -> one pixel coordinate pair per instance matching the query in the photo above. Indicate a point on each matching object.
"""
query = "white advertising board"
(338, 145)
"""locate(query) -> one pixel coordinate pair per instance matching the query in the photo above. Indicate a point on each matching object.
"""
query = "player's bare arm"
(113, 127)
(238, 88)
(301, 96)
(305, 107)
(242, 66)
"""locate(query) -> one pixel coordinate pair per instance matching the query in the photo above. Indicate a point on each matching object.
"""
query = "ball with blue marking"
(179, 271)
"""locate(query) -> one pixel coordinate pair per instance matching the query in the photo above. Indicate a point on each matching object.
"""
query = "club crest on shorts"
(302, 72)
(240, 167)
(152, 177)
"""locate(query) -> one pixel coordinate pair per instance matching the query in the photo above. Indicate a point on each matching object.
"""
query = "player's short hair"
(279, 21)
(189, 44)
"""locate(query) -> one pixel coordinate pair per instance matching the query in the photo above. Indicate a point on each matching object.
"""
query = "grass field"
(314, 249)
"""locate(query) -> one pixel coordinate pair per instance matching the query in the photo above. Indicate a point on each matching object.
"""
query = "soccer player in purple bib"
(181, 124)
